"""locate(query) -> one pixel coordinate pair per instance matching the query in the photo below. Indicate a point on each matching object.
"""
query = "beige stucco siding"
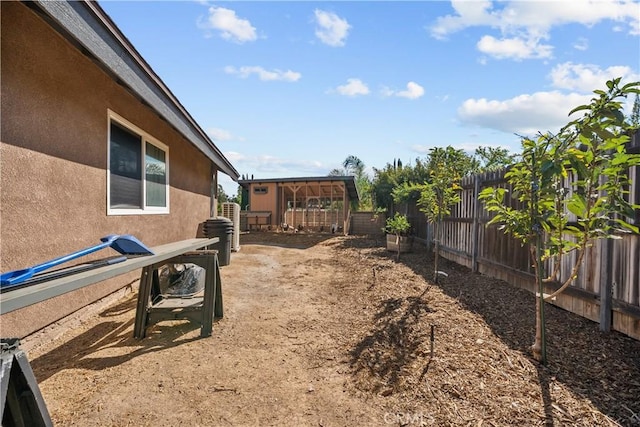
(53, 160)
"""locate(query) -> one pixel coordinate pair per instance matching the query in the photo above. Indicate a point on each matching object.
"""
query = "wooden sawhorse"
(153, 307)
(21, 402)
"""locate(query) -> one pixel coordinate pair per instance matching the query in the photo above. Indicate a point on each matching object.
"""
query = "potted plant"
(398, 239)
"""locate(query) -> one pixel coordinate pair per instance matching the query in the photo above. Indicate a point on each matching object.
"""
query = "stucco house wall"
(55, 105)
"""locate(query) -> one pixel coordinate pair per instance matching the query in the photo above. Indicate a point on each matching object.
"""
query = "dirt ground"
(325, 330)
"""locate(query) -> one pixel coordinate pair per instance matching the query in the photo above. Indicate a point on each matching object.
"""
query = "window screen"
(125, 169)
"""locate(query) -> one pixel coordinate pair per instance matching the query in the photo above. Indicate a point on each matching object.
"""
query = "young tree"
(446, 167)
(399, 226)
(571, 191)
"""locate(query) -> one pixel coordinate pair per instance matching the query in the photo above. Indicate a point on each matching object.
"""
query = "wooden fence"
(607, 289)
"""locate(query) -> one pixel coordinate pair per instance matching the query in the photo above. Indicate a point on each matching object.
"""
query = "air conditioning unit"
(232, 212)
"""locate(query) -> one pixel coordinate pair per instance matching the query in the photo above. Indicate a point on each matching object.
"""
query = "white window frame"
(144, 138)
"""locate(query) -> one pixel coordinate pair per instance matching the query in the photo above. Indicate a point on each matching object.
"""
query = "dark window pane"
(260, 190)
(125, 169)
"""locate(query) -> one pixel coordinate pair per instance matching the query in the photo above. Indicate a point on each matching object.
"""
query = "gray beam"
(23, 297)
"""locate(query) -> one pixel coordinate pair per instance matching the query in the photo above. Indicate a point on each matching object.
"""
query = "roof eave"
(87, 25)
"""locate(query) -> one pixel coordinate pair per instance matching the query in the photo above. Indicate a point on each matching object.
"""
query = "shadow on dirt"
(83, 351)
(395, 341)
(603, 368)
(301, 240)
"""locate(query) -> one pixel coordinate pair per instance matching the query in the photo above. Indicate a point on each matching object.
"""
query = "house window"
(138, 171)
(260, 190)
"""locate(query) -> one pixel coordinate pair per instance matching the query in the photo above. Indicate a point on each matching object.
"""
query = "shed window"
(138, 171)
(260, 190)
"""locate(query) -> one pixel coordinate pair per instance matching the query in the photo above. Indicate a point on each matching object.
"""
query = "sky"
(291, 88)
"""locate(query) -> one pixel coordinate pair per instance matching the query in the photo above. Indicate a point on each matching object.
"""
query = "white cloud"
(586, 77)
(354, 87)
(269, 166)
(522, 24)
(234, 156)
(230, 26)
(581, 44)
(413, 91)
(331, 29)
(543, 111)
(219, 134)
(468, 14)
(515, 48)
(264, 75)
(535, 16)
(523, 114)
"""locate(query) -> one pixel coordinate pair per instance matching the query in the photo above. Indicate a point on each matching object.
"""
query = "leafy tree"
(446, 168)
(236, 198)
(398, 225)
(353, 166)
(390, 178)
(570, 190)
(493, 158)
(222, 197)
(450, 158)
(635, 113)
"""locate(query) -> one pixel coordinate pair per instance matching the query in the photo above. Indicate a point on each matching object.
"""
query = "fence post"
(606, 285)
(476, 222)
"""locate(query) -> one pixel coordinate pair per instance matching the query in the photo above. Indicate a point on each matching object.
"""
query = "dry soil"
(326, 330)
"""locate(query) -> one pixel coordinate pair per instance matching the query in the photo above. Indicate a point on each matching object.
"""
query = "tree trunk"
(539, 347)
(436, 232)
(536, 348)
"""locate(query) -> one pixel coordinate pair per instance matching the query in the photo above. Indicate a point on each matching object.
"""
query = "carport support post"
(295, 206)
(344, 209)
(332, 207)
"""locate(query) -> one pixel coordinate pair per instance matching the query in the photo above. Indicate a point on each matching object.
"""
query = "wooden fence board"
(467, 240)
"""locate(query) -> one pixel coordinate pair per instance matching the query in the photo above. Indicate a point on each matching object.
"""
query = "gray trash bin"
(223, 229)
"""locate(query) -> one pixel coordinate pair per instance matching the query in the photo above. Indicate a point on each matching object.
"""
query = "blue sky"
(291, 88)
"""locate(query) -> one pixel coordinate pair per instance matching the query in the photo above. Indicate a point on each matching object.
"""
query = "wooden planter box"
(405, 243)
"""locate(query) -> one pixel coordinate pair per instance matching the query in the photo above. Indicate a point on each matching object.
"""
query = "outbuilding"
(316, 203)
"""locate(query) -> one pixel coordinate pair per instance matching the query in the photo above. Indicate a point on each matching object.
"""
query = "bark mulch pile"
(480, 371)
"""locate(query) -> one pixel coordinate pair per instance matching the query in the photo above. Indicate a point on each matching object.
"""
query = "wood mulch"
(480, 371)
